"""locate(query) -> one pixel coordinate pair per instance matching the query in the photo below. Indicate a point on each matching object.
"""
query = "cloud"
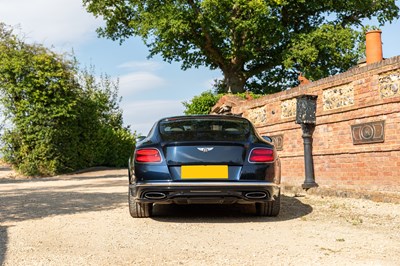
(141, 65)
(52, 22)
(142, 115)
(134, 82)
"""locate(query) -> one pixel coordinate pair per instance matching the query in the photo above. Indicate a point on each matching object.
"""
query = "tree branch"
(208, 48)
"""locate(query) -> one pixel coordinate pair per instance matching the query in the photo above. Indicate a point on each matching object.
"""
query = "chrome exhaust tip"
(155, 195)
(256, 195)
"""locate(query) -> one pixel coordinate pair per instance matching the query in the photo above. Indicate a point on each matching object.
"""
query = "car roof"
(216, 117)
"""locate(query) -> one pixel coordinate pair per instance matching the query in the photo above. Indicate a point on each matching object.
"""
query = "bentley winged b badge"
(205, 149)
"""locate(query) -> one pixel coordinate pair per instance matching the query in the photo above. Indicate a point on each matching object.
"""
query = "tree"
(59, 118)
(255, 43)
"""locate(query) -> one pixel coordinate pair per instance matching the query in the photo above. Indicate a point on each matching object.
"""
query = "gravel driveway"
(83, 219)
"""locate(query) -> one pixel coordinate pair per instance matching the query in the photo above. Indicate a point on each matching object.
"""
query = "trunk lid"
(215, 161)
(227, 154)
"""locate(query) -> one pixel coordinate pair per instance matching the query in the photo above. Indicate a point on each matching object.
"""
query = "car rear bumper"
(204, 192)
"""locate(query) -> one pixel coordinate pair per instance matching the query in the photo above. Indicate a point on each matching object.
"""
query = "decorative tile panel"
(368, 132)
(256, 115)
(389, 84)
(288, 108)
(338, 97)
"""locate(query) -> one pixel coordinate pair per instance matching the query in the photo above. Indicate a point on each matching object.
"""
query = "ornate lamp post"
(305, 116)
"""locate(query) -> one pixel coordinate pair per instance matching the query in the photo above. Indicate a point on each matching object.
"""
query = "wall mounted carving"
(368, 132)
(278, 141)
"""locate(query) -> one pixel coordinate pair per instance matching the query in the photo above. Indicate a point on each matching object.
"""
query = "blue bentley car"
(207, 159)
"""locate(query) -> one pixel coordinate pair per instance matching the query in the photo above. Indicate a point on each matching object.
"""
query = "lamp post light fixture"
(306, 106)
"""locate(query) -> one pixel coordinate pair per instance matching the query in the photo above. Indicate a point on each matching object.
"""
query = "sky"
(150, 88)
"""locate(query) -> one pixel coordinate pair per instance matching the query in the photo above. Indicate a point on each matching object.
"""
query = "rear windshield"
(204, 130)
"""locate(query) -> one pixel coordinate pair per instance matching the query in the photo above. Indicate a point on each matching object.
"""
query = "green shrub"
(59, 118)
(201, 104)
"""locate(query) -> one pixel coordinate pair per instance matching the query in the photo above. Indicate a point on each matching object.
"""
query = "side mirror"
(140, 138)
(267, 138)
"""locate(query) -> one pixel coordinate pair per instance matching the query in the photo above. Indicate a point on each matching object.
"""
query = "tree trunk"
(234, 81)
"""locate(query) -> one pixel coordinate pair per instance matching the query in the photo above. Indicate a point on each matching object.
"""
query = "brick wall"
(361, 105)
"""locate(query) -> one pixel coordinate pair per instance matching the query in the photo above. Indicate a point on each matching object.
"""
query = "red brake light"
(148, 156)
(259, 155)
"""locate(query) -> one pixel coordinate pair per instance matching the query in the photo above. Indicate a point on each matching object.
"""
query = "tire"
(270, 208)
(139, 210)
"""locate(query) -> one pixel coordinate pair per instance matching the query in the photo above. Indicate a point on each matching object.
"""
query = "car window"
(204, 129)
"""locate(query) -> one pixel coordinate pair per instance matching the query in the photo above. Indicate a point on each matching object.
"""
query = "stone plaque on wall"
(278, 141)
(256, 115)
(338, 97)
(368, 132)
(389, 84)
(288, 108)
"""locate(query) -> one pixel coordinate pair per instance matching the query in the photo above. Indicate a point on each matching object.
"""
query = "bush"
(59, 118)
(201, 104)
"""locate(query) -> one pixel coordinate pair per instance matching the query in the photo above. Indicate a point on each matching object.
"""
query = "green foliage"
(59, 119)
(258, 45)
(328, 41)
(108, 143)
(248, 94)
(202, 104)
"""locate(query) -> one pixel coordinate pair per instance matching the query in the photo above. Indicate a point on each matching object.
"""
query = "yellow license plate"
(204, 171)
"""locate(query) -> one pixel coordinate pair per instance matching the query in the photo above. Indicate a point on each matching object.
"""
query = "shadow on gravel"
(3, 244)
(40, 204)
(42, 200)
(58, 178)
(105, 183)
(22, 201)
(291, 208)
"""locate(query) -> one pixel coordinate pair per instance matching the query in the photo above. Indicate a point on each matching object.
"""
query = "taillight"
(150, 155)
(259, 155)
